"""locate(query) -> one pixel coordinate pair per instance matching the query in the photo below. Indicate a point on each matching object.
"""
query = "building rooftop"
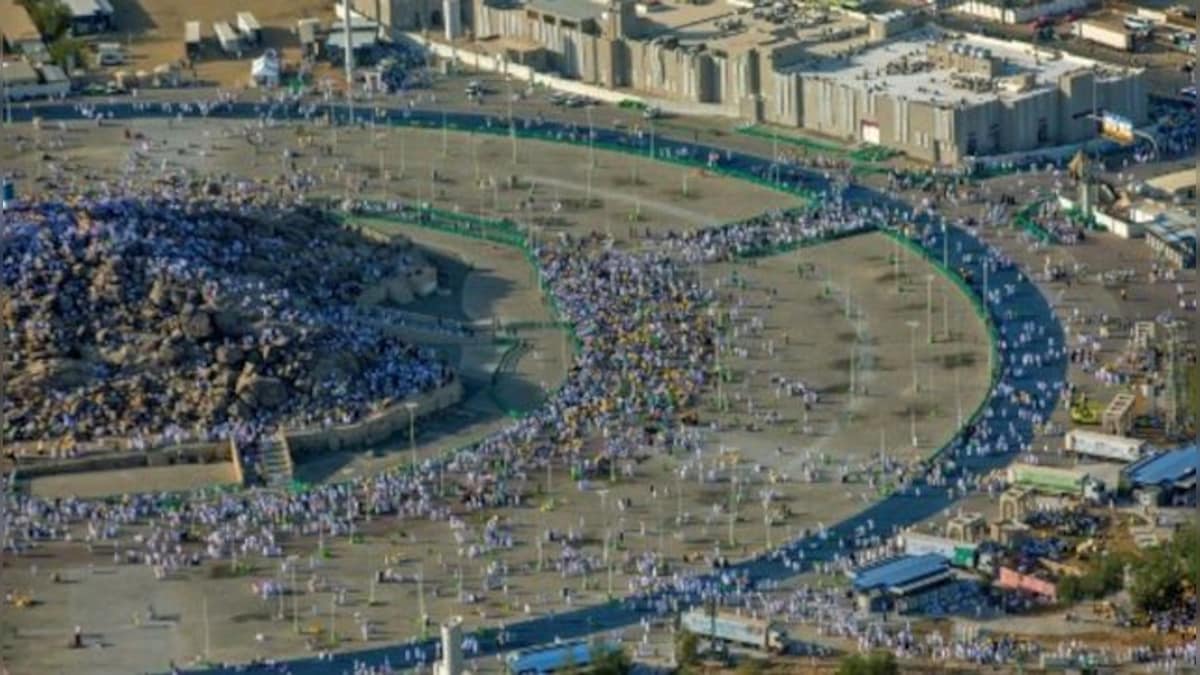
(901, 67)
(1176, 181)
(19, 72)
(1167, 467)
(15, 24)
(82, 8)
(899, 572)
(578, 10)
(733, 29)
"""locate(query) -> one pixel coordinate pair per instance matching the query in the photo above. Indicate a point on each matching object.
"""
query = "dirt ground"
(152, 32)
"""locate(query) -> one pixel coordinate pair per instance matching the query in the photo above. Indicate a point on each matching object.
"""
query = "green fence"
(1028, 223)
(497, 231)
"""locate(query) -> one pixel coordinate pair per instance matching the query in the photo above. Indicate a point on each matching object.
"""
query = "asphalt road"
(1024, 307)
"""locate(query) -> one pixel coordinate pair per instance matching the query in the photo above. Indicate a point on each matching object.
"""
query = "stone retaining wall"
(186, 453)
(374, 429)
(370, 431)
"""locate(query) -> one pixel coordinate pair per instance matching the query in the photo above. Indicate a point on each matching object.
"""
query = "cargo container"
(1104, 446)
(228, 38)
(191, 38)
(742, 630)
(1107, 35)
(249, 27)
(1055, 481)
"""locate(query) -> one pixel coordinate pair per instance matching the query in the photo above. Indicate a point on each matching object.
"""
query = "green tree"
(1100, 579)
(687, 648)
(1158, 580)
(875, 663)
(52, 18)
(68, 52)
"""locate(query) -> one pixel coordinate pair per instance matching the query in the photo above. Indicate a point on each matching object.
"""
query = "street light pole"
(913, 325)
(929, 307)
(411, 406)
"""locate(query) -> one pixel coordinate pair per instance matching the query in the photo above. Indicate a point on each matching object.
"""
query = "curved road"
(987, 443)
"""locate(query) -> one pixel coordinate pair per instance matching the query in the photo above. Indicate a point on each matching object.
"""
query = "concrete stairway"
(277, 467)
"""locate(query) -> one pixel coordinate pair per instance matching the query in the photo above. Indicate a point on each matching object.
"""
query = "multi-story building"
(864, 78)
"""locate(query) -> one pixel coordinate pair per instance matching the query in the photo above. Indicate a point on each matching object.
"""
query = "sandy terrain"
(152, 31)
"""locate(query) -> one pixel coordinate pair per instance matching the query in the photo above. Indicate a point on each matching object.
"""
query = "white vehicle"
(652, 113)
(1138, 24)
(1110, 36)
(742, 630)
(228, 38)
(109, 54)
(249, 27)
(1104, 446)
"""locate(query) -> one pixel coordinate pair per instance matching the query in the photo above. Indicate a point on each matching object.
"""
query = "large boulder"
(198, 326)
(258, 391)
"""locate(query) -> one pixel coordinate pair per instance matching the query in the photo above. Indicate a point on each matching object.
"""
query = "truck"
(1109, 36)
(759, 634)
(1051, 480)
(192, 38)
(249, 27)
(1104, 446)
(230, 41)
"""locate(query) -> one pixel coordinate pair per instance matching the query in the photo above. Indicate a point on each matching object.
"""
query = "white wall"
(487, 62)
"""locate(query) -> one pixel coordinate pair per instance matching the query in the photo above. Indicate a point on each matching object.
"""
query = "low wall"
(187, 453)
(374, 429)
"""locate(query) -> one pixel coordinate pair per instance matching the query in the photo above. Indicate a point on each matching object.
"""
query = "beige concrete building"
(862, 78)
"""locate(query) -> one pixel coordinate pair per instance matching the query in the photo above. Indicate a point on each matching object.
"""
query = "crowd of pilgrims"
(645, 354)
(176, 317)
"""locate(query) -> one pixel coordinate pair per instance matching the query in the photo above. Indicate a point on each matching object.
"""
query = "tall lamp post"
(4, 86)
(913, 324)
(411, 407)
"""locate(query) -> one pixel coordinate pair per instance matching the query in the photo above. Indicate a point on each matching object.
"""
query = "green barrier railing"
(496, 231)
(1026, 222)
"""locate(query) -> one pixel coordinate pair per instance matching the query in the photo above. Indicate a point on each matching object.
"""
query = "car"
(1188, 93)
(1137, 24)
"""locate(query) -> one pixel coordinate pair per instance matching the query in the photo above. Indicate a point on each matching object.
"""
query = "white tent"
(264, 71)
